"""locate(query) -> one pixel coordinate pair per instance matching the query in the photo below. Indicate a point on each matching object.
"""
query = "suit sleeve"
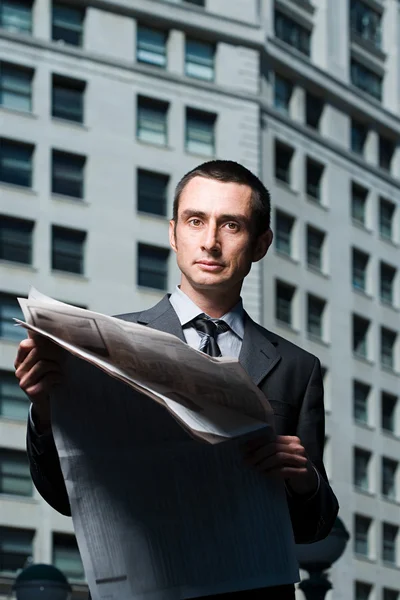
(313, 518)
(46, 471)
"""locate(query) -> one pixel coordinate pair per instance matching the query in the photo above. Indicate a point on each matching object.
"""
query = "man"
(220, 226)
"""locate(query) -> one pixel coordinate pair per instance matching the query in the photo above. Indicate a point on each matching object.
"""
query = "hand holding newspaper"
(213, 398)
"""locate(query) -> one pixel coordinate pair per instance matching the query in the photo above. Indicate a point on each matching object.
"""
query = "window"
(66, 556)
(16, 240)
(388, 412)
(67, 24)
(67, 177)
(10, 309)
(362, 590)
(361, 393)
(195, 2)
(16, 16)
(361, 537)
(365, 22)
(16, 546)
(15, 477)
(67, 252)
(152, 121)
(361, 469)
(389, 470)
(360, 336)
(200, 132)
(366, 80)
(390, 594)
(15, 87)
(389, 539)
(16, 163)
(315, 315)
(314, 108)
(315, 244)
(359, 133)
(283, 305)
(152, 192)
(359, 266)
(67, 99)
(388, 341)
(292, 33)
(358, 204)
(386, 151)
(13, 401)
(386, 212)
(284, 228)
(314, 172)
(283, 89)
(199, 59)
(151, 46)
(152, 267)
(387, 278)
(283, 161)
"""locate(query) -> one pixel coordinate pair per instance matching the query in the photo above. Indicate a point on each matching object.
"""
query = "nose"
(210, 242)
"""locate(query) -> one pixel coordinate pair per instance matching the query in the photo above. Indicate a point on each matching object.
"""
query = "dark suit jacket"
(292, 382)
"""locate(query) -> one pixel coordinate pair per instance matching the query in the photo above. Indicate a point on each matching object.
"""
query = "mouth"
(209, 265)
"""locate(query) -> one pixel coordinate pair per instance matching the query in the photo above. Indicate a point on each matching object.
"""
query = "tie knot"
(211, 327)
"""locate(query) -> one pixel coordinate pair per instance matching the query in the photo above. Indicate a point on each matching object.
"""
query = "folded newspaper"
(158, 515)
(212, 397)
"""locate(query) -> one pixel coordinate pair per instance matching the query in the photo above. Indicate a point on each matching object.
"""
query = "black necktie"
(210, 330)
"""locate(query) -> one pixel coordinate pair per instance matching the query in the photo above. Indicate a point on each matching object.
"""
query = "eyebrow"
(225, 217)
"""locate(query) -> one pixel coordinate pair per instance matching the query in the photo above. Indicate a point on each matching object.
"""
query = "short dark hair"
(228, 171)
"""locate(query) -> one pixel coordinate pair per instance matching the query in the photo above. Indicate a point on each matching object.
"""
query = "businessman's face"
(213, 237)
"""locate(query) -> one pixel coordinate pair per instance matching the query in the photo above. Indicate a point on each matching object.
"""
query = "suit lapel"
(163, 318)
(258, 355)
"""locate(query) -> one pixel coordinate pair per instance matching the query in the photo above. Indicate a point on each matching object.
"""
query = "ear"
(262, 244)
(172, 239)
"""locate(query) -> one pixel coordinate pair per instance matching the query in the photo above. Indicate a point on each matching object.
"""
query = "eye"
(232, 226)
(195, 222)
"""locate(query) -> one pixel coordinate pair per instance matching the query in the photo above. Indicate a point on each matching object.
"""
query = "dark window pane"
(315, 242)
(361, 535)
(386, 212)
(360, 336)
(15, 240)
(16, 163)
(283, 89)
(361, 469)
(365, 22)
(283, 239)
(66, 556)
(15, 87)
(386, 151)
(388, 340)
(358, 136)
(359, 268)
(388, 412)
(315, 313)
(68, 250)
(10, 309)
(67, 24)
(67, 99)
(388, 484)
(200, 132)
(152, 267)
(152, 121)
(199, 59)
(283, 159)
(151, 46)
(283, 304)
(16, 546)
(14, 402)
(15, 477)
(358, 203)
(152, 192)
(16, 15)
(387, 278)
(68, 171)
(389, 538)
(366, 80)
(314, 172)
(362, 590)
(360, 401)
(292, 33)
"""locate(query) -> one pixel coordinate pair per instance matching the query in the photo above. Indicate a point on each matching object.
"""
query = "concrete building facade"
(104, 104)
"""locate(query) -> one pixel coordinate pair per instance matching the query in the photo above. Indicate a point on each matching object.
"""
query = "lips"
(209, 263)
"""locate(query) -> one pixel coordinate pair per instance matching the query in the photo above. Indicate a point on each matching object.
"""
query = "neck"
(215, 303)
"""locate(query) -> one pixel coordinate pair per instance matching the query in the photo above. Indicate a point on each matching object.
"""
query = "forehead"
(211, 196)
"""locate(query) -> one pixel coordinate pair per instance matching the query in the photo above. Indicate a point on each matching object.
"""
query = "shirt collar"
(187, 310)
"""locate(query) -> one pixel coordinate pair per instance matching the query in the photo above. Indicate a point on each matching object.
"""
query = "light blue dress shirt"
(229, 342)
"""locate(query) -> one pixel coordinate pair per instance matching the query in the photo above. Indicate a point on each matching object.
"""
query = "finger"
(23, 350)
(284, 472)
(276, 461)
(42, 388)
(36, 355)
(37, 372)
(270, 450)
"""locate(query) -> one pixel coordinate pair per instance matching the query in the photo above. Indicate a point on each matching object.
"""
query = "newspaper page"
(158, 513)
(213, 397)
